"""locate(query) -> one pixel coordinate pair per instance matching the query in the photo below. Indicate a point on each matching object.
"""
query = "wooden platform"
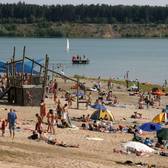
(28, 95)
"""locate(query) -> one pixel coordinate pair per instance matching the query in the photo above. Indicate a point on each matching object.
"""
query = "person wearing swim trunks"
(51, 121)
(12, 122)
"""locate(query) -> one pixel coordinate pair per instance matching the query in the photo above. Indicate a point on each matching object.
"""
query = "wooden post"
(52, 72)
(7, 73)
(138, 86)
(13, 66)
(127, 79)
(11, 71)
(127, 84)
(24, 50)
(40, 73)
(45, 76)
(32, 71)
(77, 93)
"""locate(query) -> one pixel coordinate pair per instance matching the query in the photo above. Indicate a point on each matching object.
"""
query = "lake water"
(146, 59)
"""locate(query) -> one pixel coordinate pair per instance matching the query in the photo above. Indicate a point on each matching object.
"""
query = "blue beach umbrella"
(150, 127)
(2, 66)
(99, 107)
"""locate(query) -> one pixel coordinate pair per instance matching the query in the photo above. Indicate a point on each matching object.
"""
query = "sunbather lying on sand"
(55, 142)
(50, 141)
(136, 115)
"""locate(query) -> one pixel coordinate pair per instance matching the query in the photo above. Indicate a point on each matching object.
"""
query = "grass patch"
(144, 87)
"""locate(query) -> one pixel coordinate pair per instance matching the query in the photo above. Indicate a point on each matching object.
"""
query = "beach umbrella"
(99, 107)
(97, 115)
(150, 127)
(2, 66)
(137, 146)
(163, 134)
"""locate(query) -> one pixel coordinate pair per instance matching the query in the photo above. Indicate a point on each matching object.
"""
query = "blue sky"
(75, 2)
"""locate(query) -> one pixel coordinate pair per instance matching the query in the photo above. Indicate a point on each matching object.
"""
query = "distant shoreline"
(84, 30)
(145, 86)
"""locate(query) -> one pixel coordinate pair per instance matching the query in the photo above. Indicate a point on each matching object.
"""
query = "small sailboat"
(67, 46)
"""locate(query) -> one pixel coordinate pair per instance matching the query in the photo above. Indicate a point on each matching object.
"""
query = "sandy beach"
(25, 153)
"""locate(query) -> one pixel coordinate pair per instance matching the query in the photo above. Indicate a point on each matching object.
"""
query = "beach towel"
(119, 105)
(137, 146)
(94, 139)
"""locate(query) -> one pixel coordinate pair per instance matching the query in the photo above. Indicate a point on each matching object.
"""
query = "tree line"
(27, 13)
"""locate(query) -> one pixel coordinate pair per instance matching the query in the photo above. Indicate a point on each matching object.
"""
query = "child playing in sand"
(115, 101)
(3, 126)
(59, 109)
(136, 115)
(38, 126)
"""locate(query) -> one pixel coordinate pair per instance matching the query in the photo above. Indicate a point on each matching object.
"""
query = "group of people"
(9, 121)
(149, 101)
(159, 143)
(54, 117)
(78, 58)
(107, 99)
(111, 99)
(102, 125)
